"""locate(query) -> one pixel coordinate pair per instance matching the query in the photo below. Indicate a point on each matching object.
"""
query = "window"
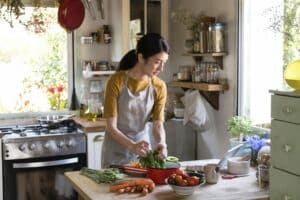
(33, 63)
(268, 42)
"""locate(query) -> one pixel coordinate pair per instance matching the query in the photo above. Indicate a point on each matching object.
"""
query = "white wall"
(211, 144)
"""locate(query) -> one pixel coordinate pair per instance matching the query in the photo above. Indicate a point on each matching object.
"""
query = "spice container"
(216, 37)
(106, 34)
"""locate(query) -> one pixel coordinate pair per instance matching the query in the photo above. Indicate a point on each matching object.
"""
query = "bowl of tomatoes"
(185, 184)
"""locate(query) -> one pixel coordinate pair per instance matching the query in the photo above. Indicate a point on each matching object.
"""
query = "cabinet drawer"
(284, 186)
(286, 108)
(285, 148)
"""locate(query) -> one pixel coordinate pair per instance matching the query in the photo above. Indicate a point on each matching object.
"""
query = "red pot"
(159, 175)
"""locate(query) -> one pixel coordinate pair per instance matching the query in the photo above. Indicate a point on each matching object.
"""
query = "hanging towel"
(194, 110)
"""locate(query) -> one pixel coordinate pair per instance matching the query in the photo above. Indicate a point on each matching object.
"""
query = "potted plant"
(238, 127)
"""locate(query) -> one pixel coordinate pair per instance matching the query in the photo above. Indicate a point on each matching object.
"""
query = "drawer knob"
(286, 197)
(288, 109)
(287, 148)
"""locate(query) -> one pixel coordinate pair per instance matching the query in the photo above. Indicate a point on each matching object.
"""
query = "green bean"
(101, 176)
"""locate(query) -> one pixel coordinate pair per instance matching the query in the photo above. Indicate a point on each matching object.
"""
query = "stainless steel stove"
(39, 140)
(38, 155)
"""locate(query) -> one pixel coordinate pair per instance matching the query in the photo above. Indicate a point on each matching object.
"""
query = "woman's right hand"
(141, 148)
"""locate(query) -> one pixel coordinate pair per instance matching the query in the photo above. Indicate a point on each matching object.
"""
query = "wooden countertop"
(91, 126)
(225, 189)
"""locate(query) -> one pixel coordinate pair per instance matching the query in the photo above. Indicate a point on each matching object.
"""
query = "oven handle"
(45, 163)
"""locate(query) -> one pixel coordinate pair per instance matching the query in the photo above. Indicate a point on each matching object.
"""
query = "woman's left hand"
(162, 150)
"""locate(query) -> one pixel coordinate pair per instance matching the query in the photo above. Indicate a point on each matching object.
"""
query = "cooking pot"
(53, 119)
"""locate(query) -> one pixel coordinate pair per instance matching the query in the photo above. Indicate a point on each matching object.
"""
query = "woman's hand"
(141, 148)
(162, 150)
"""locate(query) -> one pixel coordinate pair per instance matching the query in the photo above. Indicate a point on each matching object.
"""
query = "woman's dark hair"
(149, 45)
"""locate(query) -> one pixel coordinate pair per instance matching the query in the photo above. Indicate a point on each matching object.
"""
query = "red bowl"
(159, 175)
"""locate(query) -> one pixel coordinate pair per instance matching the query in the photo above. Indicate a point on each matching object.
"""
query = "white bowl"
(184, 190)
(237, 166)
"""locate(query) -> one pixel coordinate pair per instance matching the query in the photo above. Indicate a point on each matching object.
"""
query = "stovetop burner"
(41, 140)
(38, 129)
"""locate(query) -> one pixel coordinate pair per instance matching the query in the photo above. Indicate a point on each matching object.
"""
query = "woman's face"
(155, 64)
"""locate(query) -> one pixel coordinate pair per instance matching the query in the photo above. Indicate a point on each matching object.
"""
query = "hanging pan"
(70, 14)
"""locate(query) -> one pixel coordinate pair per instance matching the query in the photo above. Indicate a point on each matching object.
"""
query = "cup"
(211, 173)
(262, 175)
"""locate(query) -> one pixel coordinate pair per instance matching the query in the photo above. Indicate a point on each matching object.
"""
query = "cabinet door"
(181, 140)
(284, 186)
(94, 148)
(285, 146)
(286, 108)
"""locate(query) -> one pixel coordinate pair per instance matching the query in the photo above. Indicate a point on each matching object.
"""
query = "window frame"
(71, 87)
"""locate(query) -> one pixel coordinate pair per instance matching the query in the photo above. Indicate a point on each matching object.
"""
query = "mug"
(211, 173)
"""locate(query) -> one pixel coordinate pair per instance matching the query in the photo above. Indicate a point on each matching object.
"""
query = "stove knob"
(22, 147)
(70, 143)
(32, 147)
(46, 145)
(60, 144)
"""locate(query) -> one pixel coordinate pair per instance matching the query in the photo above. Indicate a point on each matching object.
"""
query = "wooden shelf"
(200, 86)
(206, 54)
(218, 57)
(209, 91)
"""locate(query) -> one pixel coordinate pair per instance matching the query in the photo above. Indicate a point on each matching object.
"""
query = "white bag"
(194, 110)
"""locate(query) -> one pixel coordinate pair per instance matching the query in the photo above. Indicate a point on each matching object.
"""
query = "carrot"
(145, 191)
(130, 183)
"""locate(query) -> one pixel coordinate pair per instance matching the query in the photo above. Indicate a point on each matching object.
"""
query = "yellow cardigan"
(116, 82)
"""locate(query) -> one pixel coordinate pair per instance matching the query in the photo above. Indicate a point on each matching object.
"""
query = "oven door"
(40, 178)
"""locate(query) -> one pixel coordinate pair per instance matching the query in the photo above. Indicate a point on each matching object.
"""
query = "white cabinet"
(285, 136)
(181, 140)
(94, 148)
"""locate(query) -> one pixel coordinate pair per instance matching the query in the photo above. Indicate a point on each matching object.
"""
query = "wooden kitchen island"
(226, 189)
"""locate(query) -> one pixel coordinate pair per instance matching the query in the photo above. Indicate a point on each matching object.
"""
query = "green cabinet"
(285, 146)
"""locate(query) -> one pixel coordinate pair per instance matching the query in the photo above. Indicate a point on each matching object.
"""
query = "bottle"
(106, 33)
(196, 44)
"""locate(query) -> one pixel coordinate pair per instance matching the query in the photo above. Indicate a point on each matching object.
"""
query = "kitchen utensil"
(100, 8)
(132, 171)
(90, 8)
(53, 119)
(231, 176)
(70, 14)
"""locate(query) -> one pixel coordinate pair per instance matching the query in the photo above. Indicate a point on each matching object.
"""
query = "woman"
(134, 94)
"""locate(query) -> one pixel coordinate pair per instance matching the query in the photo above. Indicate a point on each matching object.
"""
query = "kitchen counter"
(91, 126)
(226, 189)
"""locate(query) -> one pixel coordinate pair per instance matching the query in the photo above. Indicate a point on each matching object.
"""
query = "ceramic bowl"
(237, 166)
(159, 175)
(188, 190)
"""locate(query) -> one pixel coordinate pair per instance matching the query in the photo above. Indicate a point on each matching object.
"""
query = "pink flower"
(51, 90)
(60, 88)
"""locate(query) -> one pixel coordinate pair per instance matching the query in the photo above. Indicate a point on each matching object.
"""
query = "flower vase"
(189, 41)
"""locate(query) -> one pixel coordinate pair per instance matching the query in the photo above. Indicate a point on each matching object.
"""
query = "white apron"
(134, 111)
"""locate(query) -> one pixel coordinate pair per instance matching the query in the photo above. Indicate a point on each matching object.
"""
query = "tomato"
(171, 180)
(193, 180)
(183, 182)
(180, 172)
(178, 179)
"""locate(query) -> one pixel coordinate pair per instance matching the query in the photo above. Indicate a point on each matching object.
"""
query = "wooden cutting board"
(91, 126)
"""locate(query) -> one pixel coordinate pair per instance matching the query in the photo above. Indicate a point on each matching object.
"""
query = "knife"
(100, 8)
(89, 6)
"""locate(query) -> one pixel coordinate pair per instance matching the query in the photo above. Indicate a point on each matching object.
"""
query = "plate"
(134, 171)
